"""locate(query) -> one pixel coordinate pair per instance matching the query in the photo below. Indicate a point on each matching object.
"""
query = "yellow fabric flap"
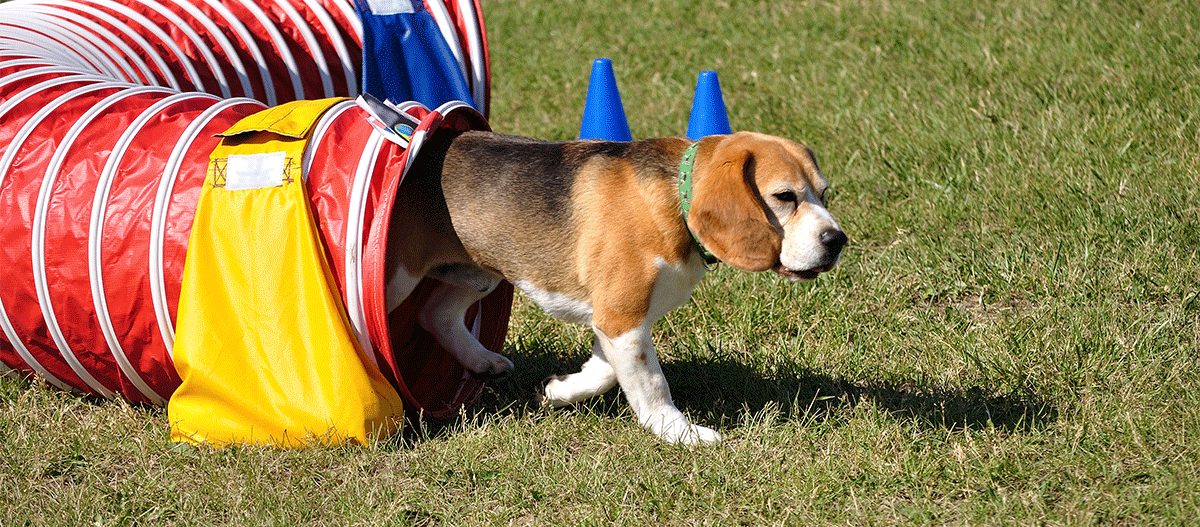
(294, 119)
(263, 344)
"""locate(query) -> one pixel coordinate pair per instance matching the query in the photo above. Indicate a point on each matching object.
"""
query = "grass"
(1011, 337)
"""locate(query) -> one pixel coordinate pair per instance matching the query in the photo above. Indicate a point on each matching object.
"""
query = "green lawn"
(1011, 337)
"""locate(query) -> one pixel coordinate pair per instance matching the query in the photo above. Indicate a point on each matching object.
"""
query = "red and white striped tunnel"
(108, 110)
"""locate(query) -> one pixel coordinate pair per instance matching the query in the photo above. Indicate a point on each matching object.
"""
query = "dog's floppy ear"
(727, 214)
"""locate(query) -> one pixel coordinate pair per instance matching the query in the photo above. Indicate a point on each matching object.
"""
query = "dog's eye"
(786, 196)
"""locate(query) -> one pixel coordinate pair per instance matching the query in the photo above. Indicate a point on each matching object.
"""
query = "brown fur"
(588, 219)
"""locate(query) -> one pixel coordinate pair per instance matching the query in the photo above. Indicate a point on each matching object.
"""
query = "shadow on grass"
(721, 392)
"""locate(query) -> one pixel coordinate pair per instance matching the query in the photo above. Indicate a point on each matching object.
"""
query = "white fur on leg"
(630, 359)
(399, 286)
(595, 378)
(636, 366)
(443, 317)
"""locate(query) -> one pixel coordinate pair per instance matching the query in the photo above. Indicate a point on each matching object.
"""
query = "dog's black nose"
(833, 239)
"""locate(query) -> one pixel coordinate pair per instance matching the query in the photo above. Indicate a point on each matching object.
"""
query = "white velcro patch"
(390, 7)
(251, 171)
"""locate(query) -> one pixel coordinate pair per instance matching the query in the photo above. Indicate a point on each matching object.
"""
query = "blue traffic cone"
(603, 114)
(708, 108)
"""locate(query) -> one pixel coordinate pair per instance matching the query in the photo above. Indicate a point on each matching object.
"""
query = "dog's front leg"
(595, 378)
(632, 358)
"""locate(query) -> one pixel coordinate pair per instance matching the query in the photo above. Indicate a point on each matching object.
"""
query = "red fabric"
(126, 246)
(67, 232)
(326, 41)
(428, 376)
(18, 197)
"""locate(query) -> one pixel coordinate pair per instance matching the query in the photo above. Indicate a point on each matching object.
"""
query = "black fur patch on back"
(538, 176)
(535, 175)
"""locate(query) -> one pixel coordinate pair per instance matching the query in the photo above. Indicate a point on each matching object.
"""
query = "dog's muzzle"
(832, 240)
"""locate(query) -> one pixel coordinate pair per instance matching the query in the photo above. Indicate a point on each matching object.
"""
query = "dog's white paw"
(490, 365)
(555, 393)
(694, 435)
(678, 430)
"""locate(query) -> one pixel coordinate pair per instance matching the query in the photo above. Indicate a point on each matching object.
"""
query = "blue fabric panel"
(405, 57)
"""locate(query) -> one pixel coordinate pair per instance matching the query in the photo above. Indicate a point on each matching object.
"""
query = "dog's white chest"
(674, 285)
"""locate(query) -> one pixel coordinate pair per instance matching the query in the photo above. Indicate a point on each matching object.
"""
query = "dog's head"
(758, 203)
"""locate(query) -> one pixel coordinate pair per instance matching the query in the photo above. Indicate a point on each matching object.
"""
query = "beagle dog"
(609, 234)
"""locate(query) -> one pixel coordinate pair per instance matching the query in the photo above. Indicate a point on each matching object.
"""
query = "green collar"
(685, 199)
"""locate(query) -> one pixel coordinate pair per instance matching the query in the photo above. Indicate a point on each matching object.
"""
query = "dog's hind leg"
(443, 316)
(595, 378)
(399, 286)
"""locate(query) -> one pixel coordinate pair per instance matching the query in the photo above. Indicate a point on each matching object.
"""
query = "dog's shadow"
(724, 393)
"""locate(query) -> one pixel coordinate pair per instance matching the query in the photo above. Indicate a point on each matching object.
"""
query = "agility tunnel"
(109, 115)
